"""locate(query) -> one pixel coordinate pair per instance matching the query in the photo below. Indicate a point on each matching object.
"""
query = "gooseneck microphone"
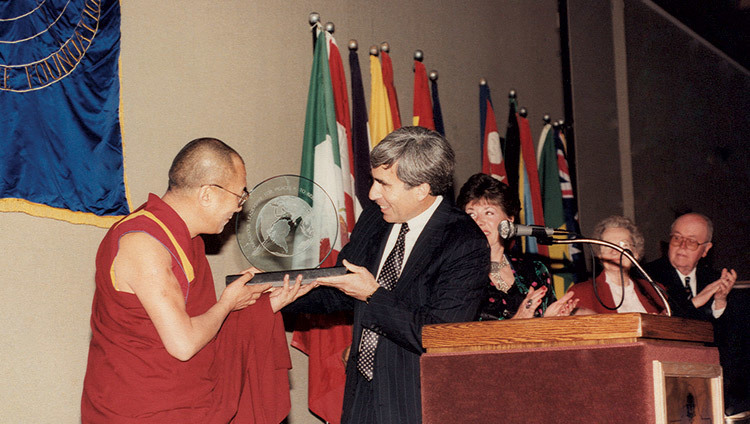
(509, 229)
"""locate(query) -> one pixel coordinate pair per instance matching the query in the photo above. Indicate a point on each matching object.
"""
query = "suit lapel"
(703, 277)
(375, 236)
(429, 240)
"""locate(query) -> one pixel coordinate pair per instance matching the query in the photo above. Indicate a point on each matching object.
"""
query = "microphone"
(508, 230)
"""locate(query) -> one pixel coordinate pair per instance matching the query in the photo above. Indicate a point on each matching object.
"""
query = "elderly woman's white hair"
(616, 221)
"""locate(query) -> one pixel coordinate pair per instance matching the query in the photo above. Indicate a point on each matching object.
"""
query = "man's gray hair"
(423, 156)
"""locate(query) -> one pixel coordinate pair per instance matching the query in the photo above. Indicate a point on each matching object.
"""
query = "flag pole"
(419, 57)
(314, 19)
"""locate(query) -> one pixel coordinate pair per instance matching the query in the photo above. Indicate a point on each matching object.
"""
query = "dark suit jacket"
(731, 329)
(663, 272)
(442, 281)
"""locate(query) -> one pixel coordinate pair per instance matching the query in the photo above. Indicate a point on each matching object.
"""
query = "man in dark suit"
(414, 260)
(696, 292)
(699, 292)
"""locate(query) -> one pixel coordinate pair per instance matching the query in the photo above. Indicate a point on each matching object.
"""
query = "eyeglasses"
(243, 197)
(676, 240)
(629, 245)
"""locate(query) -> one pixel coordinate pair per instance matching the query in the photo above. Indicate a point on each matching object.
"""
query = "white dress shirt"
(416, 225)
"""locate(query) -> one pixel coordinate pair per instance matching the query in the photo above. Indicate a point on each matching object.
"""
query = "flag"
(381, 120)
(492, 155)
(62, 153)
(390, 88)
(437, 117)
(321, 160)
(437, 113)
(422, 103)
(511, 148)
(570, 208)
(551, 182)
(529, 190)
(360, 137)
(324, 338)
(344, 132)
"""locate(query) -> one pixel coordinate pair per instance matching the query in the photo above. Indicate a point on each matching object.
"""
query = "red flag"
(530, 191)
(344, 127)
(492, 154)
(387, 67)
(422, 103)
(324, 338)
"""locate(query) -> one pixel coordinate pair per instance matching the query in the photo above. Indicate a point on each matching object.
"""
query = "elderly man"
(699, 292)
(163, 349)
(414, 260)
(694, 292)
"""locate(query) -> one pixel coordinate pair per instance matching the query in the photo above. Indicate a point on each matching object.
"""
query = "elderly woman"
(516, 287)
(618, 290)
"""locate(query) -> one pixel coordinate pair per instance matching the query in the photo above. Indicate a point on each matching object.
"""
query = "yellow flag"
(381, 121)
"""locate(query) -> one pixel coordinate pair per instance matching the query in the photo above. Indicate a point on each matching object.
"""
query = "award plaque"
(288, 225)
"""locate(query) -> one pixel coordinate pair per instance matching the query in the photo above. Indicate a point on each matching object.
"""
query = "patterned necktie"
(688, 290)
(387, 279)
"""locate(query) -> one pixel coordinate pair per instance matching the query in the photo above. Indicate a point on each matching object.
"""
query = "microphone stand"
(623, 251)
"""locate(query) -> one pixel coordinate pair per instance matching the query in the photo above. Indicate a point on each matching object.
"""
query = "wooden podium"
(610, 368)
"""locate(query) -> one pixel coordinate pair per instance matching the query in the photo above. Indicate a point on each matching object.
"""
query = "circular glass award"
(288, 222)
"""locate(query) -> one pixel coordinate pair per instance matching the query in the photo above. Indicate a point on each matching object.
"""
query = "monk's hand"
(252, 271)
(282, 296)
(359, 283)
(238, 296)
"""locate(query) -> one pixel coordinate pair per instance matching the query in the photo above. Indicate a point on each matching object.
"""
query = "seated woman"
(516, 287)
(618, 289)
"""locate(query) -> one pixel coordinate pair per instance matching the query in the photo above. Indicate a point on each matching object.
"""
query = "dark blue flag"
(360, 137)
(60, 143)
(437, 113)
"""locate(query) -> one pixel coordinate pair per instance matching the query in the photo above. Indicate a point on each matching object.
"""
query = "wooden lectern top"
(563, 331)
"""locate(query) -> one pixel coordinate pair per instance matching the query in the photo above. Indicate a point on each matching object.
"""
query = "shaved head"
(202, 161)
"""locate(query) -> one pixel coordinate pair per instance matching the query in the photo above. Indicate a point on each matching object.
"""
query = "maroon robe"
(240, 375)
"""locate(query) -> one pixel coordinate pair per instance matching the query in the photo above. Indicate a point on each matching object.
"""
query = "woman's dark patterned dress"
(528, 273)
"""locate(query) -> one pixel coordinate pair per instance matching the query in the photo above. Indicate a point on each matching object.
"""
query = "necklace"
(497, 279)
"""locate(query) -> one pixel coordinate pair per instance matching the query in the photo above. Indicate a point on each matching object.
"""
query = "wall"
(643, 81)
(239, 71)
(689, 125)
